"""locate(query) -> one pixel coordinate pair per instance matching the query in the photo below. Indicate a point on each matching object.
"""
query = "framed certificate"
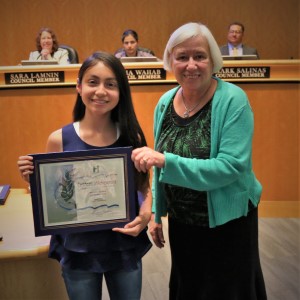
(82, 190)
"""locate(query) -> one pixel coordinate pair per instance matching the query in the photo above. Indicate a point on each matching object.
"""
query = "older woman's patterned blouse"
(189, 137)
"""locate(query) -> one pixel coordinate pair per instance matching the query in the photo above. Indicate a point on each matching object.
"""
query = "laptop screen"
(240, 57)
(38, 62)
(138, 59)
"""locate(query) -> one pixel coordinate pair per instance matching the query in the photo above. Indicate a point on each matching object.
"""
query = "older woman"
(203, 177)
(47, 48)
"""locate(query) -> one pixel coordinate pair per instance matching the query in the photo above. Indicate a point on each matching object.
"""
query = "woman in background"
(47, 48)
(131, 48)
(103, 117)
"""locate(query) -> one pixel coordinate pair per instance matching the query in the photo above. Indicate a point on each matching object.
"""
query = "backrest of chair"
(118, 50)
(73, 55)
(146, 50)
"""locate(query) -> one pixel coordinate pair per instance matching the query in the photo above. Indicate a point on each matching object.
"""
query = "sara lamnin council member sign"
(82, 190)
(34, 77)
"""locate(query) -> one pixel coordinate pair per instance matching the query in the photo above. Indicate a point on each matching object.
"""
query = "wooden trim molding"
(144, 73)
(279, 209)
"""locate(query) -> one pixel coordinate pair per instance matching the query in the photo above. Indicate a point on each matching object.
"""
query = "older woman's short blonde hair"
(187, 31)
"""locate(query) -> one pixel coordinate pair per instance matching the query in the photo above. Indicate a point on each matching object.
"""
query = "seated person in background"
(47, 48)
(235, 47)
(130, 46)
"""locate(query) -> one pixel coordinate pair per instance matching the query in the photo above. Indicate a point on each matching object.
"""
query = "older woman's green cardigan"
(227, 175)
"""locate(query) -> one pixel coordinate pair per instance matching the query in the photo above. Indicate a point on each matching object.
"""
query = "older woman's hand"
(145, 158)
(156, 232)
(26, 167)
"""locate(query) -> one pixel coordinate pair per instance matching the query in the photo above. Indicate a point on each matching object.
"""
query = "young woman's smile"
(99, 89)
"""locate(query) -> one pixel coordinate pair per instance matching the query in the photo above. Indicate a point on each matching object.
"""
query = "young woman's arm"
(25, 165)
(141, 221)
(54, 143)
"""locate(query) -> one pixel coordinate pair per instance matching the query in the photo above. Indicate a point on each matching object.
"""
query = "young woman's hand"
(136, 226)
(26, 167)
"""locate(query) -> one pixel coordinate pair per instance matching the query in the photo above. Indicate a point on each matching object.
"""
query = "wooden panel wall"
(88, 25)
(28, 116)
(276, 138)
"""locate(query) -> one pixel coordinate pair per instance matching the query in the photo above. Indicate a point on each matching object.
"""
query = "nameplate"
(146, 74)
(35, 77)
(243, 72)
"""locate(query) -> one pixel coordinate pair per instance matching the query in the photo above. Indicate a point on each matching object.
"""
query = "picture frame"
(85, 190)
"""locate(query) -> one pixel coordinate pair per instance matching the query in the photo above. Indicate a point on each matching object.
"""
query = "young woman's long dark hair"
(131, 133)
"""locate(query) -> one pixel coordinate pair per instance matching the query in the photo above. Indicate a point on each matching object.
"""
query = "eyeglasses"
(235, 31)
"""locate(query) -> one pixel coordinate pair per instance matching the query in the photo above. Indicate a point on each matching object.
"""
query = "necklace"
(187, 112)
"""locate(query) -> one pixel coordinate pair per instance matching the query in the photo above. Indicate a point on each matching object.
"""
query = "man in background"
(235, 46)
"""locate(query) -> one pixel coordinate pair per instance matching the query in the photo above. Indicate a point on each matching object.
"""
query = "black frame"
(59, 177)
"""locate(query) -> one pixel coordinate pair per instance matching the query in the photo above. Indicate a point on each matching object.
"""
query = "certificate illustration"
(82, 190)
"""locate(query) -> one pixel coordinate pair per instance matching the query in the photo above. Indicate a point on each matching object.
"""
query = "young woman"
(103, 117)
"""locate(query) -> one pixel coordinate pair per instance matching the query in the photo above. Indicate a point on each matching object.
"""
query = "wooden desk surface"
(142, 73)
(274, 100)
(16, 227)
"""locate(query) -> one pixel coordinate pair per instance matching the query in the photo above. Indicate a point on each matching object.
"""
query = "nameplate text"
(243, 72)
(146, 74)
(35, 77)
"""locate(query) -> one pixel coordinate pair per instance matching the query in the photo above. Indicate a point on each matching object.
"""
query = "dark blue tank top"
(97, 251)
